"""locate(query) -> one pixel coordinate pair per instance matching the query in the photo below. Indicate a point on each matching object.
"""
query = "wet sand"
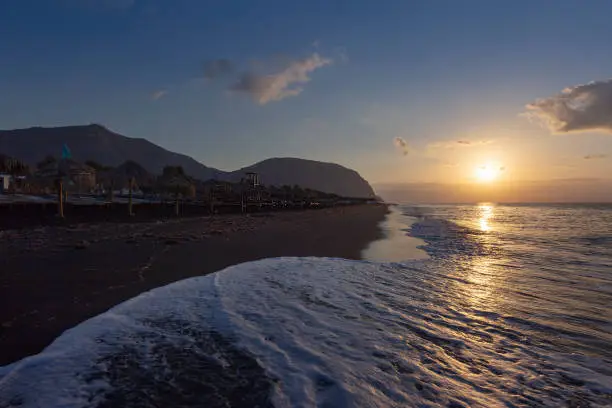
(53, 278)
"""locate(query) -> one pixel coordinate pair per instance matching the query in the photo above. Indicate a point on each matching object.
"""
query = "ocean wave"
(313, 332)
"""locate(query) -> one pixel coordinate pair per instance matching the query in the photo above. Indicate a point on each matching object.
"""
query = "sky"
(408, 93)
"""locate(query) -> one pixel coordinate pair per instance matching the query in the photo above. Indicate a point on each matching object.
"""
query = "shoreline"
(35, 214)
(397, 245)
(57, 277)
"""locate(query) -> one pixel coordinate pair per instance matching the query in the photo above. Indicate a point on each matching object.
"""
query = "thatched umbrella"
(131, 173)
(62, 172)
(177, 184)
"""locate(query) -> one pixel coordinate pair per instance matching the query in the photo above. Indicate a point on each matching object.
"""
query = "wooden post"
(212, 201)
(130, 212)
(60, 198)
(176, 206)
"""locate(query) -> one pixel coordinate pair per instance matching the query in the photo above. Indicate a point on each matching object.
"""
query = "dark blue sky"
(328, 80)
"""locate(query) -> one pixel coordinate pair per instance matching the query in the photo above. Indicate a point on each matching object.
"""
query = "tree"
(49, 159)
(12, 166)
(173, 171)
(97, 166)
(297, 191)
(286, 191)
(309, 193)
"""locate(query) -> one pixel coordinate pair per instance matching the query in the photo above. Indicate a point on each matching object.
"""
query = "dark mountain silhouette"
(95, 142)
(316, 175)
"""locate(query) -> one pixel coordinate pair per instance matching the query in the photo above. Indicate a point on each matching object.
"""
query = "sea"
(484, 305)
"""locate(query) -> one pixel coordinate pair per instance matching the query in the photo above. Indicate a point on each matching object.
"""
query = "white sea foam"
(324, 332)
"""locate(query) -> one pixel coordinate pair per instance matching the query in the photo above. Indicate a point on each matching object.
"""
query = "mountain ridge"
(96, 142)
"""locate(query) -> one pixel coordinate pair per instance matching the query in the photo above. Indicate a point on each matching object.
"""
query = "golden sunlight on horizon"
(488, 173)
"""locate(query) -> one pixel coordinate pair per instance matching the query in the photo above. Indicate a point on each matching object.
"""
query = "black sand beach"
(52, 278)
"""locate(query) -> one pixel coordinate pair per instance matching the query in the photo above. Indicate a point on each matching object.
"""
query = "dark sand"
(53, 278)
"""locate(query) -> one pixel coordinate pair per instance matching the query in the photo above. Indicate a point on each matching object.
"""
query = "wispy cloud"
(401, 144)
(217, 68)
(595, 156)
(288, 82)
(451, 144)
(578, 108)
(342, 54)
(159, 94)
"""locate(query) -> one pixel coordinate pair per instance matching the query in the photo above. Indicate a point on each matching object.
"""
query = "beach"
(52, 278)
(484, 320)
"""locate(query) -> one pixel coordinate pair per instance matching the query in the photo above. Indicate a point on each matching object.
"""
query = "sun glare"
(487, 173)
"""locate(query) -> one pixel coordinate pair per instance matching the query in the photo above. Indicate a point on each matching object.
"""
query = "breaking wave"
(316, 332)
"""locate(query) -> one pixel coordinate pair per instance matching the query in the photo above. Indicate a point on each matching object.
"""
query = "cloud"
(451, 144)
(578, 108)
(401, 144)
(288, 82)
(342, 54)
(159, 94)
(595, 156)
(218, 67)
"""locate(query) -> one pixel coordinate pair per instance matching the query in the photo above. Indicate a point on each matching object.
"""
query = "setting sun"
(487, 173)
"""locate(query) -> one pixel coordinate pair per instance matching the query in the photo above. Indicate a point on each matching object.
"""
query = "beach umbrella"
(66, 154)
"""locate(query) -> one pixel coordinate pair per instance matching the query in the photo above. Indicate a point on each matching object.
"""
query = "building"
(5, 182)
(77, 177)
(83, 177)
(252, 179)
(216, 186)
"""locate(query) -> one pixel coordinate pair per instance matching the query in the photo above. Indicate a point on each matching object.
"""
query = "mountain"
(316, 175)
(95, 142)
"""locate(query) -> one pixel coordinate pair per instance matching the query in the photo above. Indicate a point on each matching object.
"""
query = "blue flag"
(66, 152)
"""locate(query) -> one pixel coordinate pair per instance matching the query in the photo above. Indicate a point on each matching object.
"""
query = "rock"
(171, 241)
(82, 245)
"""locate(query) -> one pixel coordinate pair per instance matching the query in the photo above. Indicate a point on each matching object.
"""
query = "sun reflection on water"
(486, 212)
(485, 282)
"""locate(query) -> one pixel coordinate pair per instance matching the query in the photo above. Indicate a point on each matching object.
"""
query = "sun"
(487, 173)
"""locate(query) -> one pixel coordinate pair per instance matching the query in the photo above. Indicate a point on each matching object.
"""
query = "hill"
(321, 176)
(95, 142)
